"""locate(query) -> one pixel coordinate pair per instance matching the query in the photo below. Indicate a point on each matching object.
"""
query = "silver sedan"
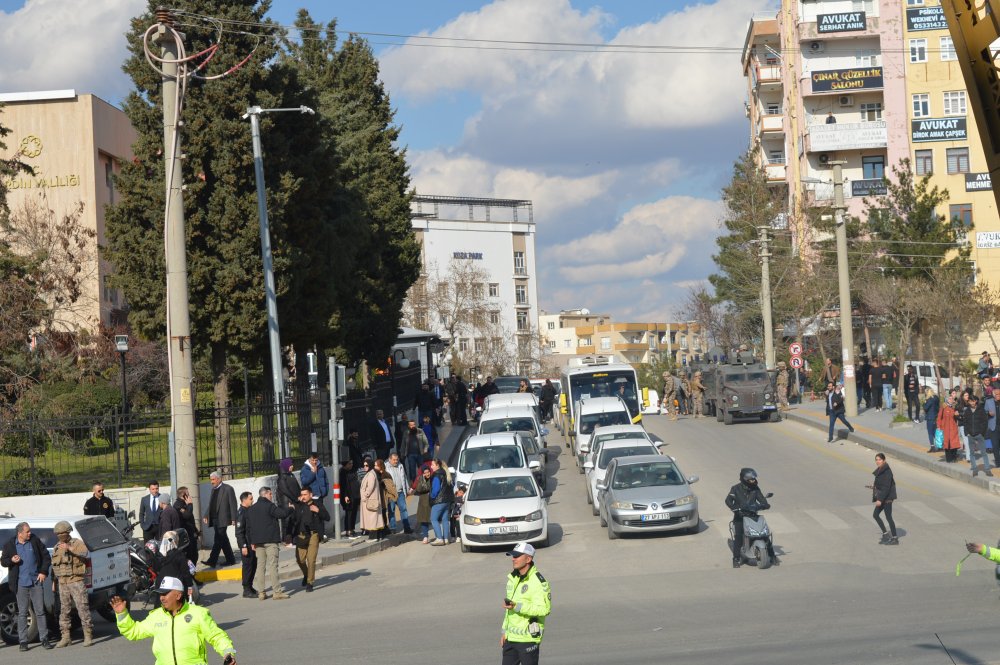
(646, 493)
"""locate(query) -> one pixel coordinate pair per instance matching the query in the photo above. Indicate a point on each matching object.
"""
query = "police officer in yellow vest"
(178, 628)
(69, 565)
(527, 602)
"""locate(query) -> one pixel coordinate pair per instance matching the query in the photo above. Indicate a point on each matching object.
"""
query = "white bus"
(597, 376)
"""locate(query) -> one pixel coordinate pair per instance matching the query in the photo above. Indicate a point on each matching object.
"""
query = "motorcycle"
(145, 562)
(758, 545)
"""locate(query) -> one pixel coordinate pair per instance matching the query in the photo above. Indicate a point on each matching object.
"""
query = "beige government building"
(75, 143)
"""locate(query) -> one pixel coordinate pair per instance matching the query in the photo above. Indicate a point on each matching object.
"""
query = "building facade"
(75, 144)
(478, 253)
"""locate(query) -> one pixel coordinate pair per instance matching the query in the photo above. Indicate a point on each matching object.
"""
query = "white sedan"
(504, 507)
(598, 465)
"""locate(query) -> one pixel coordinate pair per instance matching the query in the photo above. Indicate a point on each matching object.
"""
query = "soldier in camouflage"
(697, 394)
(781, 385)
(69, 565)
(684, 396)
(670, 394)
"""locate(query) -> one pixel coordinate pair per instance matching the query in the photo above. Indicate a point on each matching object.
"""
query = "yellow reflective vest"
(532, 600)
(178, 639)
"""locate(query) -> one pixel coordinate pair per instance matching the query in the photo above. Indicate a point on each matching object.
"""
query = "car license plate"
(503, 529)
(654, 517)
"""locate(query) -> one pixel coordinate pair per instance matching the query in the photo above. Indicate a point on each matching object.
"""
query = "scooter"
(758, 546)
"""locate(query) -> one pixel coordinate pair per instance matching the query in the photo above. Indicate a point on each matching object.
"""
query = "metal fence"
(46, 456)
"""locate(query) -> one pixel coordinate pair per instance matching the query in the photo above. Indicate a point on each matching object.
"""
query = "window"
(948, 49)
(961, 212)
(605, 344)
(552, 344)
(921, 105)
(552, 325)
(954, 102)
(914, 3)
(110, 293)
(773, 108)
(519, 268)
(567, 344)
(923, 162)
(585, 341)
(873, 167)
(522, 321)
(494, 290)
(463, 344)
(871, 111)
(521, 294)
(652, 342)
(918, 50)
(775, 156)
(480, 344)
(477, 290)
(494, 318)
(958, 160)
(863, 6)
(866, 58)
(444, 320)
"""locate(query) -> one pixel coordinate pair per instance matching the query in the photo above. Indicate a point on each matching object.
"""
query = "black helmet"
(748, 475)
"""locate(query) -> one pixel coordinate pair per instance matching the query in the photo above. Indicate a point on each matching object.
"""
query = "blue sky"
(623, 154)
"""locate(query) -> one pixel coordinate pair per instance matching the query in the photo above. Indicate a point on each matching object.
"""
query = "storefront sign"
(988, 239)
(476, 256)
(870, 187)
(842, 22)
(978, 182)
(926, 18)
(938, 129)
(838, 80)
(847, 136)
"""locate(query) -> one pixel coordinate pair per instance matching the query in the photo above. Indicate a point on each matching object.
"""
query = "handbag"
(938, 439)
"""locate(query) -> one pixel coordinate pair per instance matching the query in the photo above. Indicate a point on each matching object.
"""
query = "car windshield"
(606, 384)
(609, 454)
(507, 425)
(589, 421)
(489, 489)
(508, 384)
(490, 457)
(648, 474)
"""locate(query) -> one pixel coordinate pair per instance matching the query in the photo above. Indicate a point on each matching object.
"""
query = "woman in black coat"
(184, 507)
(350, 496)
(287, 495)
(883, 495)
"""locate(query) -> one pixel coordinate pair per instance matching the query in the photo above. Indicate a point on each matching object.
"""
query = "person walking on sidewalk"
(835, 408)
(311, 517)
(247, 555)
(264, 534)
(401, 480)
(911, 391)
(947, 422)
(221, 514)
(977, 428)
(527, 601)
(883, 495)
(69, 565)
(932, 404)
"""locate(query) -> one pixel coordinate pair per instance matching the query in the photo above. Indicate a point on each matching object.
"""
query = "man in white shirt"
(149, 512)
(381, 436)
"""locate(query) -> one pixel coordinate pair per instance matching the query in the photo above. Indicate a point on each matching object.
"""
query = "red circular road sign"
(795, 349)
(796, 362)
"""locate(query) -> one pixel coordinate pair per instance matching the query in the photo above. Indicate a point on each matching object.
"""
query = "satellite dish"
(585, 311)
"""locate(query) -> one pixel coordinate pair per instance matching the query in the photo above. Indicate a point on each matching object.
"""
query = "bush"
(18, 482)
(17, 444)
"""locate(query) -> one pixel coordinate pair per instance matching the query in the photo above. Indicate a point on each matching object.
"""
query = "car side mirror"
(534, 465)
(660, 444)
(545, 431)
(769, 495)
(588, 466)
(131, 515)
(693, 479)
(601, 487)
(546, 494)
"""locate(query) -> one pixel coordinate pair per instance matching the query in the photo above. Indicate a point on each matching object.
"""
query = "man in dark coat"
(27, 561)
(976, 423)
(149, 512)
(381, 435)
(742, 496)
(220, 515)
(264, 534)
(350, 496)
(98, 504)
(835, 408)
(310, 525)
(461, 402)
(246, 552)
(170, 519)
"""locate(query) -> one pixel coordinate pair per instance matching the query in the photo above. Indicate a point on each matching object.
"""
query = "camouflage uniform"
(670, 394)
(685, 395)
(781, 385)
(698, 395)
(69, 567)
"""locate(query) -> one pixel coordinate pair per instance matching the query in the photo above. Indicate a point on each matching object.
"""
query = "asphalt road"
(837, 597)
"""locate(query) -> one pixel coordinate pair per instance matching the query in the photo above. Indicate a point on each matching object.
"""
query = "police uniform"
(669, 394)
(69, 566)
(698, 395)
(102, 506)
(524, 625)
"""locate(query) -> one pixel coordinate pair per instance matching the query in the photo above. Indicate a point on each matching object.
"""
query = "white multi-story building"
(486, 246)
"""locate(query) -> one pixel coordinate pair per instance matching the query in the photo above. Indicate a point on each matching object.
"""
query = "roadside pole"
(846, 332)
(335, 391)
(765, 297)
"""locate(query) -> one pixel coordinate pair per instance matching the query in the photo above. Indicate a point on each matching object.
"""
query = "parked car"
(482, 452)
(513, 399)
(512, 418)
(503, 507)
(646, 493)
(597, 465)
(533, 452)
(107, 570)
(596, 412)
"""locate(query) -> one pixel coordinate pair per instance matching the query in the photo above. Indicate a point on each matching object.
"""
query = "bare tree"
(901, 302)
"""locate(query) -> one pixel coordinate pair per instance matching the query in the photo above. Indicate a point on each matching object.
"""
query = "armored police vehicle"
(737, 387)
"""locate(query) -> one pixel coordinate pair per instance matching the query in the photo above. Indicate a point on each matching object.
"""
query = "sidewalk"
(908, 443)
(333, 551)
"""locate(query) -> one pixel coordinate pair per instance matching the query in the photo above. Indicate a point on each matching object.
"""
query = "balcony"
(767, 76)
(771, 124)
(775, 172)
(846, 136)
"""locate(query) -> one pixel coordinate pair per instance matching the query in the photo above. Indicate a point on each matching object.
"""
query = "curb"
(961, 473)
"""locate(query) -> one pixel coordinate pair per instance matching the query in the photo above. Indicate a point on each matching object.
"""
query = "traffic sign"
(796, 362)
(795, 349)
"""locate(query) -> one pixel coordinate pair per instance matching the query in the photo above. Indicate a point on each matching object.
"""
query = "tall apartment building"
(867, 82)
(75, 144)
(498, 237)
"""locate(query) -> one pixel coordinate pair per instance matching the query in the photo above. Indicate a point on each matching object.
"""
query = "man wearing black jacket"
(976, 423)
(835, 408)
(744, 494)
(27, 561)
(264, 534)
(246, 552)
(99, 504)
(310, 518)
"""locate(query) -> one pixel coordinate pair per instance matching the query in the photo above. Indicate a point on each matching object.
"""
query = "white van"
(594, 412)
(512, 399)
(928, 374)
(512, 418)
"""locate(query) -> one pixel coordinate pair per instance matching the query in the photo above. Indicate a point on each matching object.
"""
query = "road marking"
(864, 511)
(827, 519)
(923, 512)
(779, 523)
(971, 509)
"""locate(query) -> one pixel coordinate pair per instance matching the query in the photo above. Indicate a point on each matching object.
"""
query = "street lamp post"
(121, 343)
(404, 362)
(270, 293)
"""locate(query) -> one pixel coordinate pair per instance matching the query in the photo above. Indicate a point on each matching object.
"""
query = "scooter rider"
(743, 494)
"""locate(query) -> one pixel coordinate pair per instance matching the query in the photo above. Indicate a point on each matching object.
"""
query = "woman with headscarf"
(350, 496)
(948, 425)
(287, 496)
(172, 561)
(389, 494)
(372, 502)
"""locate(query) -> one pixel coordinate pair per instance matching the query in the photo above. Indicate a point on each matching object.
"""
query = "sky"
(623, 154)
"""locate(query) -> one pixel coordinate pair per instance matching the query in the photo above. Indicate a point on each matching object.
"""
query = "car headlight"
(684, 500)
(767, 396)
(622, 505)
(534, 517)
(474, 521)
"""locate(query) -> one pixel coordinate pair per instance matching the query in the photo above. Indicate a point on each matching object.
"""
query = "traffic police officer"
(527, 602)
(69, 565)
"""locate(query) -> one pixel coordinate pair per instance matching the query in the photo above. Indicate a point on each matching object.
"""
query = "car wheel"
(728, 418)
(465, 548)
(107, 613)
(718, 413)
(775, 417)
(612, 534)
(544, 542)
(600, 513)
(594, 509)
(693, 530)
(763, 557)
(586, 488)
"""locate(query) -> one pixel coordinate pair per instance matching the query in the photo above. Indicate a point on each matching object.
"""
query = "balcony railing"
(772, 123)
(847, 136)
(775, 171)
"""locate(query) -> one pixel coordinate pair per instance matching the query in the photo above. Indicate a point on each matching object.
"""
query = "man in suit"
(382, 436)
(149, 512)
(220, 515)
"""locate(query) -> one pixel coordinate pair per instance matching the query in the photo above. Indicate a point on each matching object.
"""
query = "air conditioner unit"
(846, 100)
(817, 47)
(824, 158)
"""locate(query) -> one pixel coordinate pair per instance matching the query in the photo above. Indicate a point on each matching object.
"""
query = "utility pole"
(846, 331)
(178, 314)
(765, 296)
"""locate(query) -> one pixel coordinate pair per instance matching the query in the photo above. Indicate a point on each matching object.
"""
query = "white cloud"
(60, 44)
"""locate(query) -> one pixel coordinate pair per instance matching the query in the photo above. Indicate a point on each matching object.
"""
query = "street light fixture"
(121, 344)
(403, 362)
(277, 378)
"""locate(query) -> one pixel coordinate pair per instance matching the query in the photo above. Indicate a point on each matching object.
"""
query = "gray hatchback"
(646, 493)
